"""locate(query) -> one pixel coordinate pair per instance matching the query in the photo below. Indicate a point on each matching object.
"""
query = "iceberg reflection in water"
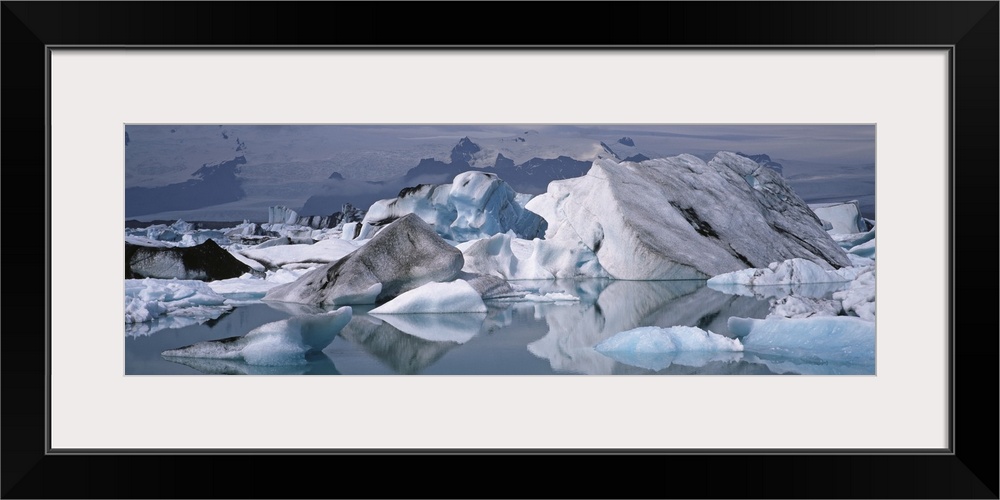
(512, 338)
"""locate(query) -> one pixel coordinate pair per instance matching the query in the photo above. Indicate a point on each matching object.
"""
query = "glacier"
(285, 342)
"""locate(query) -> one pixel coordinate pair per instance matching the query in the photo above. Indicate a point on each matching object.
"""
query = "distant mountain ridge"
(531, 176)
(764, 160)
(214, 184)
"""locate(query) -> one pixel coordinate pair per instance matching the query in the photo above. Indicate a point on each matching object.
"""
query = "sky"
(283, 163)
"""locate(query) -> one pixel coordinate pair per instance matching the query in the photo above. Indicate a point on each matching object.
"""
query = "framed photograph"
(606, 247)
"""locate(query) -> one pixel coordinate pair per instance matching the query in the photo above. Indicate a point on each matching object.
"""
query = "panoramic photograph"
(499, 249)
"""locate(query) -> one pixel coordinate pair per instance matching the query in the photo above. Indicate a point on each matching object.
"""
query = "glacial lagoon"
(514, 337)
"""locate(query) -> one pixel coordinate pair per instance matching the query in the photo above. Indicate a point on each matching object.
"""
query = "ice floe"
(285, 342)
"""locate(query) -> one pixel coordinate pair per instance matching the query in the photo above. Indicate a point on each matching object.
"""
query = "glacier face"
(683, 218)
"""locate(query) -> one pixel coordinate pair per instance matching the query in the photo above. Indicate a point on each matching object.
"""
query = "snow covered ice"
(206, 262)
(451, 297)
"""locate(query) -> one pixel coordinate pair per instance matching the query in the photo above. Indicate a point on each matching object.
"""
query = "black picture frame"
(968, 469)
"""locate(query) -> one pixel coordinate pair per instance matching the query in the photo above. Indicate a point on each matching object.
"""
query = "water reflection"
(452, 327)
(406, 354)
(624, 305)
(316, 364)
(511, 338)
(280, 346)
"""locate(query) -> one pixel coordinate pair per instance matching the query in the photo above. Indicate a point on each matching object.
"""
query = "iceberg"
(404, 353)
(795, 306)
(205, 262)
(858, 298)
(844, 218)
(683, 218)
(574, 329)
(656, 348)
(454, 327)
(451, 297)
(148, 299)
(280, 343)
(404, 255)
(823, 339)
(474, 205)
(866, 249)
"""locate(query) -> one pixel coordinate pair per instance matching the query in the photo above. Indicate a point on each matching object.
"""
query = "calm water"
(516, 338)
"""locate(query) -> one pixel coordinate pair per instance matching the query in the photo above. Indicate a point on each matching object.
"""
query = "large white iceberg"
(451, 297)
(474, 205)
(683, 218)
(656, 348)
(285, 342)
